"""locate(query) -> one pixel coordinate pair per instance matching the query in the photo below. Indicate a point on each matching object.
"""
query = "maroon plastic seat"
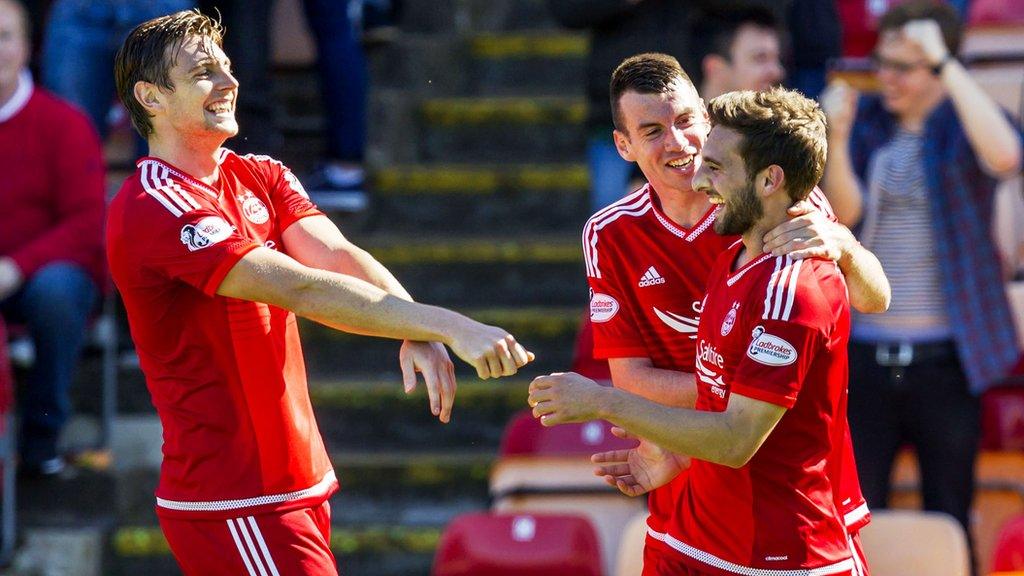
(518, 545)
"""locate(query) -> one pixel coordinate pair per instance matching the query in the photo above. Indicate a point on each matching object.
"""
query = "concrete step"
(481, 271)
(468, 198)
(377, 550)
(472, 15)
(548, 331)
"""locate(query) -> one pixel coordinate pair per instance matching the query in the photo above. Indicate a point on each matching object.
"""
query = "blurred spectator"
(79, 45)
(248, 41)
(743, 52)
(859, 19)
(51, 253)
(339, 183)
(917, 167)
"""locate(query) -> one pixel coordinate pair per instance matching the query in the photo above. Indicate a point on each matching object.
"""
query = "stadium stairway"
(479, 192)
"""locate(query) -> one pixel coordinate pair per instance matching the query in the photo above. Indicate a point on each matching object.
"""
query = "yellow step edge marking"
(146, 541)
(507, 46)
(478, 181)
(468, 111)
(478, 252)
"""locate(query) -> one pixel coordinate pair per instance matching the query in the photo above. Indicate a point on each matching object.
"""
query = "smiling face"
(664, 133)
(723, 177)
(201, 105)
(904, 74)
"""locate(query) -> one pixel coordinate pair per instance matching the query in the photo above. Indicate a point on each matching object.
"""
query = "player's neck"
(198, 160)
(753, 239)
(684, 207)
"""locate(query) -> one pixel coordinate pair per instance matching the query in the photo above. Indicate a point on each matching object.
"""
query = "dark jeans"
(926, 405)
(55, 305)
(343, 77)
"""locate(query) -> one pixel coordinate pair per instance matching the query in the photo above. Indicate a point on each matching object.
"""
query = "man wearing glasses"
(916, 166)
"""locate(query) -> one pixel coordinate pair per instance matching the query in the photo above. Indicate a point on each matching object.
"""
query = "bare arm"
(639, 376)
(840, 182)
(317, 243)
(729, 438)
(353, 305)
(992, 136)
(810, 234)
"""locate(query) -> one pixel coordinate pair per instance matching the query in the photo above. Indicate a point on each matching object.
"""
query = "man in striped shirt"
(917, 167)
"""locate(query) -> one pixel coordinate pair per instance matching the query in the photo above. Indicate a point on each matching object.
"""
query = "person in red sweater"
(51, 236)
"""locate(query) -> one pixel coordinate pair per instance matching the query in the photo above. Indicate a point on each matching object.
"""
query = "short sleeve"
(616, 332)
(198, 247)
(290, 200)
(776, 361)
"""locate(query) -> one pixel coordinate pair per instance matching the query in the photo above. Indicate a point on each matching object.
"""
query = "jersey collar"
(20, 98)
(689, 235)
(214, 193)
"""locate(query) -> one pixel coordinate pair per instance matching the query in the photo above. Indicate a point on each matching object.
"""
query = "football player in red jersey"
(214, 255)
(636, 471)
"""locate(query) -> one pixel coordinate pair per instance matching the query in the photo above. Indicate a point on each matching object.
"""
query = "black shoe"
(52, 468)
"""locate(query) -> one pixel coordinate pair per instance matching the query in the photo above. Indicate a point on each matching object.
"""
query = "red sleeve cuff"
(621, 352)
(291, 218)
(784, 400)
(225, 266)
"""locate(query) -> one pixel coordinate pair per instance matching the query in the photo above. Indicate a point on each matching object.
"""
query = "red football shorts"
(295, 542)
(658, 562)
(860, 562)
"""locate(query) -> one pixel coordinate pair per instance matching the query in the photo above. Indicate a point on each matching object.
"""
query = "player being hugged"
(214, 254)
(771, 366)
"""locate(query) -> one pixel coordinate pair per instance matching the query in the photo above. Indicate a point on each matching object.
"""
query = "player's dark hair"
(151, 50)
(725, 26)
(944, 14)
(778, 126)
(649, 73)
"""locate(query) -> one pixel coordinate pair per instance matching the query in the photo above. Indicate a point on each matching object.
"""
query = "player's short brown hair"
(944, 14)
(151, 50)
(648, 73)
(778, 126)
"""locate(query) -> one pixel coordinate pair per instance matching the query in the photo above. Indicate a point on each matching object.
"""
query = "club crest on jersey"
(602, 307)
(730, 319)
(253, 208)
(770, 350)
(207, 232)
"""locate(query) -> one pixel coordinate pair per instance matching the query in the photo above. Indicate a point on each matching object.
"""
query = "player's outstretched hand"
(492, 351)
(565, 397)
(431, 360)
(638, 470)
(808, 234)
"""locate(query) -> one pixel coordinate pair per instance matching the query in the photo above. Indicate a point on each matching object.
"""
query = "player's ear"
(148, 94)
(623, 145)
(771, 180)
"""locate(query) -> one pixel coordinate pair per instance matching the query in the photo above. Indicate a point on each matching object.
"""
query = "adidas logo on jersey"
(651, 277)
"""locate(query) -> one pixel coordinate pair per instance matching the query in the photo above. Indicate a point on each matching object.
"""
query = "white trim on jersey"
(704, 225)
(859, 563)
(153, 187)
(842, 567)
(319, 488)
(820, 201)
(781, 291)
(856, 515)
(636, 204)
(734, 279)
(192, 181)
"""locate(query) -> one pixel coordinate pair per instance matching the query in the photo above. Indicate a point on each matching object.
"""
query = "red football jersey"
(648, 277)
(775, 330)
(226, 376)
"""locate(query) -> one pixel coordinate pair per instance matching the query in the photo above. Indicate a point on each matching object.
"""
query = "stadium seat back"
(630, 560)
(524, 435)
(1008, 555)
(518, 545)
(996, 12)
(608, 513)
(902, 542)
(1002, 418)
